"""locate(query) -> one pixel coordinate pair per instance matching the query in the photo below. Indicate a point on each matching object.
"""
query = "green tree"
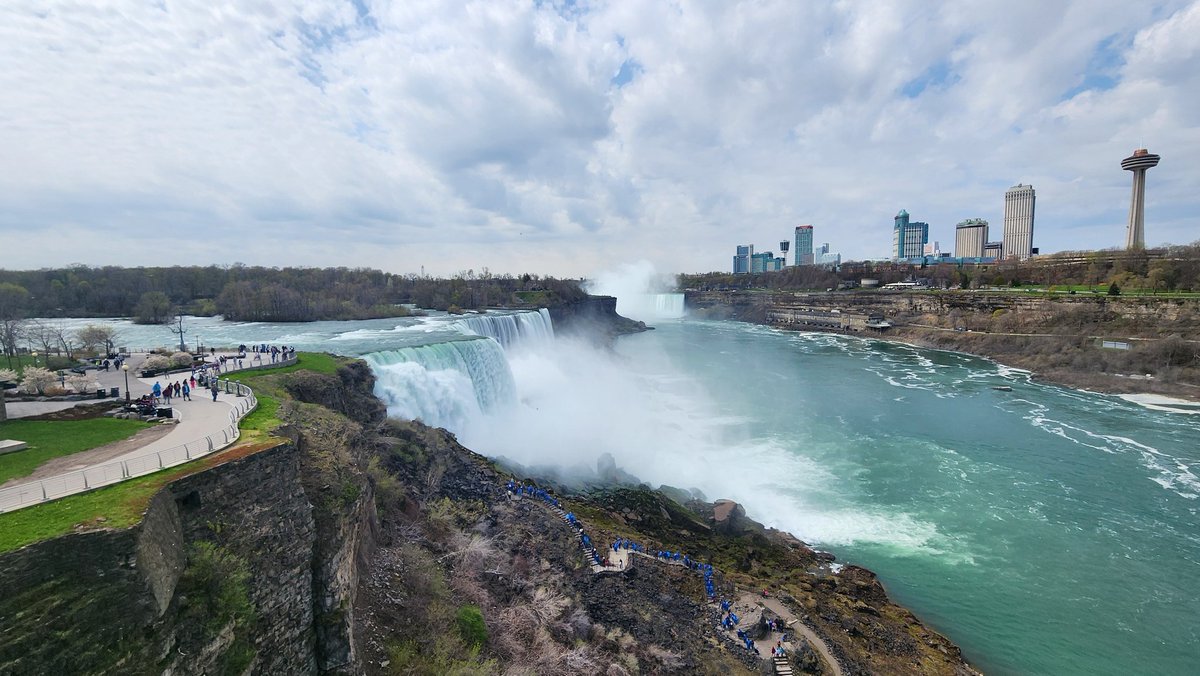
(153, 308)
(1114, 290)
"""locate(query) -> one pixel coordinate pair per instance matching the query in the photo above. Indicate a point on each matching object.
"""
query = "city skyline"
(556, 137)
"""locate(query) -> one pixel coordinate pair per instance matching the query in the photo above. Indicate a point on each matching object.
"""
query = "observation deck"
(1140, 159)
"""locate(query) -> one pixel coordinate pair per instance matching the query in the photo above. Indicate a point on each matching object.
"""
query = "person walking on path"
(156, 390)
(187, 391)
(213, 387)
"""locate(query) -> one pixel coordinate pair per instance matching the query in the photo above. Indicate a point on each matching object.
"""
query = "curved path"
(204, 425)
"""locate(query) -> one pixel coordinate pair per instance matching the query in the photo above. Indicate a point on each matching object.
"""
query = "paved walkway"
(203, 426)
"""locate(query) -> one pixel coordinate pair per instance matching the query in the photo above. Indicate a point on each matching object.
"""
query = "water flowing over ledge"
(443, 384)
(509, 330)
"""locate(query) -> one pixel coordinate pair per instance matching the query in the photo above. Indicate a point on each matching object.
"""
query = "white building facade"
(1018, 222)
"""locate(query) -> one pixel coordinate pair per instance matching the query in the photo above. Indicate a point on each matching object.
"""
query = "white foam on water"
(1158, 402)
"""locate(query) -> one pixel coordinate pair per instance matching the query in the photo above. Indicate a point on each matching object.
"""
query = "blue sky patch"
(625, 74)
(938, 76)
(1103, 68)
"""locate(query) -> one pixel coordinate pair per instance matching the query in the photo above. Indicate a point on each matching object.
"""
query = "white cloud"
(492, 133)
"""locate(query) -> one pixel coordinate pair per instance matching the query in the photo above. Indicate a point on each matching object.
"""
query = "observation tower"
(1138, 163)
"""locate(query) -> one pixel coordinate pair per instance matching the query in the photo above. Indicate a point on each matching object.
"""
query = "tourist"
(213, 388)
(156, 391)
(187, 391)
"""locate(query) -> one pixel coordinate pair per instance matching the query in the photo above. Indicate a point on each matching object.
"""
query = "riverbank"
(1101, 344)
(1015, 351)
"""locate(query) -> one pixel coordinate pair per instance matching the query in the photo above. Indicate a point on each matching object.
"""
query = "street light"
(34, 355)
(125, 368)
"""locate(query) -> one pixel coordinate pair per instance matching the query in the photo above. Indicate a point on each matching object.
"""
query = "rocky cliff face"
(594, 318)
(364, 545)
(126, 601)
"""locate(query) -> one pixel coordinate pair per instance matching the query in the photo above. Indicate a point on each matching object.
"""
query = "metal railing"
(42, 490)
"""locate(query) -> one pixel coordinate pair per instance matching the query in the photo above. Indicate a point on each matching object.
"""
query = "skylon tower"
(1138, 163)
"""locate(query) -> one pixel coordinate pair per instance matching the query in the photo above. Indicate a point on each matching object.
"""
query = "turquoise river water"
(1044, 530)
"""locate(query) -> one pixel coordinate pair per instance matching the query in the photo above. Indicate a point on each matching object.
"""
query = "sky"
(568, 138)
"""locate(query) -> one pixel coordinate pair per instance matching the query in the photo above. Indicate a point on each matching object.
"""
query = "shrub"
(471, 626)
(156, 362)
(82, 384)
(8, 376)
(37, 379)
(181, 359)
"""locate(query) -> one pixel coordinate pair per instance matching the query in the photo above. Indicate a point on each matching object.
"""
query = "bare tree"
(43, 336)
(94, 336)
(13, 301)
(175, 323)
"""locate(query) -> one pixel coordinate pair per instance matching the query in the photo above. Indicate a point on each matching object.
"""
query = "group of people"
(729, 622)
(276, 353)
(176, 389)
(183, 388)
(545, 496)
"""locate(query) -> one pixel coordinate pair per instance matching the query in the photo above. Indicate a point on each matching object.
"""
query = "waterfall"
(512, 329)
(444, 384)
(668, 305)
(649, 307)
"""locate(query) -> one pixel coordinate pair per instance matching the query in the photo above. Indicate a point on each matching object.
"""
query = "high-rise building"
(1018, 222)
(804, 245)
(823, 256)
(970, 236)
(741, 261)
(1138, 163)
(908, 238)
(763, 262)
(993, 249)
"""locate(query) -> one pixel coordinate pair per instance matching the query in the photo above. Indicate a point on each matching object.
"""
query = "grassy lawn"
(122, 505)
(19, 362)
(117, 506)
(306, 361)
(55, 438)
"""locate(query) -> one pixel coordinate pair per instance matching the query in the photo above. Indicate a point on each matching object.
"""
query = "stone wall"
(107, 601)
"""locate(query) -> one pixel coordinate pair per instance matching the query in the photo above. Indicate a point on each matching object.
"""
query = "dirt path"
(95, 456)
(749, 600)
(746, 603)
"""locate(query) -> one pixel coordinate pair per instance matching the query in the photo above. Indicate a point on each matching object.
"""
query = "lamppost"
(125, 368)
(34, 355)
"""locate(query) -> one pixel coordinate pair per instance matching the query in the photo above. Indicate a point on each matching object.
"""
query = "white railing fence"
(42, 490)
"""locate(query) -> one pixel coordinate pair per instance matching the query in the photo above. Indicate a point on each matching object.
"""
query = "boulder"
(729, 518)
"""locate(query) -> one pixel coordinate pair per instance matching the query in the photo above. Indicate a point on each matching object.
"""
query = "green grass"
(116, 506)
(19, 362)
(119, 505)
(122, 505)
(49, 439)
(262, 420)
(306, 361)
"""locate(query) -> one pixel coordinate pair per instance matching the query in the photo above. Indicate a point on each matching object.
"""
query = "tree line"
(1173, 268)
(241, 293)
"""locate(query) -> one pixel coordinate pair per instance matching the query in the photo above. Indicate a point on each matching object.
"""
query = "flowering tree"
(181, 359)
(37, 379)
(82, 384)
(156, 361)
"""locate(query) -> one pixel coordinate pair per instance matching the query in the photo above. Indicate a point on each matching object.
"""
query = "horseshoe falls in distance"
(1043, 529)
